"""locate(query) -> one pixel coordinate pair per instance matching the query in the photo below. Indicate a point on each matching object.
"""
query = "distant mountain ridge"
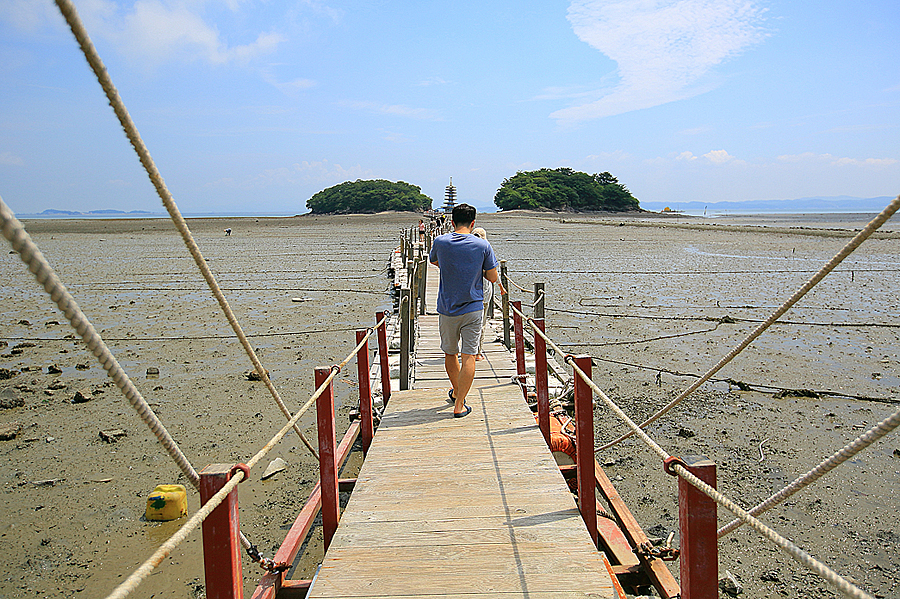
(800, 205)
(53, 212)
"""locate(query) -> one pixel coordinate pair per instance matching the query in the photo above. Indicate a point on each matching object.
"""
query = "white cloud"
(688, 156)
(422, 114)
(719, 157)
(663, 47)
(10, 159)
(154, 32)
(810, 157)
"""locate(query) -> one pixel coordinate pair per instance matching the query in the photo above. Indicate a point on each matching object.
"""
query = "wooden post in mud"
(697, 526)
(383, 359)
(541, 383)
(328, 480)
(367, 426)
(505, 303)
(221, 529)
(518, 329)
(584, 447)
(538, 300)
(404, 339)
(413, 301)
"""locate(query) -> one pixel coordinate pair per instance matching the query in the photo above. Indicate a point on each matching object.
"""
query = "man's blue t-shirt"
(462, 259)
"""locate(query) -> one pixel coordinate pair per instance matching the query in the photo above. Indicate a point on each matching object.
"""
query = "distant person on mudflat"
(488, 298)
(421, 231)
(464, 262)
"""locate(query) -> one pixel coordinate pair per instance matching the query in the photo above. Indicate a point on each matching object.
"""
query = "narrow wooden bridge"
(460, 507)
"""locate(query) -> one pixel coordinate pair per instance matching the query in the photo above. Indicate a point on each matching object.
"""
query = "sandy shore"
(656, 300)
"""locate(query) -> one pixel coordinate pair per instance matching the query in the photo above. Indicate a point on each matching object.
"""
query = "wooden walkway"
(474, 506)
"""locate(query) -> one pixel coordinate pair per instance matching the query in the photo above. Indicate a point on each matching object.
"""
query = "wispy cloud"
(423, 114)
(10, 159)
(154, 32)
(810, 157)
(663, 47)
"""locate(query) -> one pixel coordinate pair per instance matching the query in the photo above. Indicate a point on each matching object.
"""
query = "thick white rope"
(864, 234)
(164, 550)
(22, 243)
(798, 554)
(845, 453)
(90, 53)
(792, 550)
(795, 552)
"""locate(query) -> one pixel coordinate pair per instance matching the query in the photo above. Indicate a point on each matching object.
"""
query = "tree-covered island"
(564, 189)
(368, 197)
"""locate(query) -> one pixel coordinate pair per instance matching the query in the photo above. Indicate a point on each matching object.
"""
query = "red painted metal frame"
(270, 584)
(542, 385)
(367, 428)
(327, 464)
(383, 358)
(221, 543)
(584, 447)
(699, 543)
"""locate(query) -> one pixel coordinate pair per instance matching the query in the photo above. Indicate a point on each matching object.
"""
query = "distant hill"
(800, 205)
(53, 212)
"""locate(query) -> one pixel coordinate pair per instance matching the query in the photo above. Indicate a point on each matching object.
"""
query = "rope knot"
(336, 368)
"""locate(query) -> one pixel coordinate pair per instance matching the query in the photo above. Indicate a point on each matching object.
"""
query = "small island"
(565, 190)
(369, 197)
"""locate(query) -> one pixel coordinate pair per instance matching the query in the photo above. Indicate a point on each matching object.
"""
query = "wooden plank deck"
(474, 506)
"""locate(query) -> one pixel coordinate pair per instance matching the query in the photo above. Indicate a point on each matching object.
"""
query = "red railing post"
(542, 385)
(367, 427)
(327, 465)
(520, 344)
(697, 522)
(383, 358)
(221, 542)
(584, 447)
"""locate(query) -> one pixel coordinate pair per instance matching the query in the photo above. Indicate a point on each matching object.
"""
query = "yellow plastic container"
(166, 502)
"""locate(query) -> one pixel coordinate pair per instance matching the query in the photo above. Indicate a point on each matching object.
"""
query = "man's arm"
(492, 276)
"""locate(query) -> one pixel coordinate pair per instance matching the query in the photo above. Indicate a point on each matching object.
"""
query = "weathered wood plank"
(460, 507)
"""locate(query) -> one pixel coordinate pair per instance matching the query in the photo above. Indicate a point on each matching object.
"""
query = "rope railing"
(791, 549)
(21, 242)
(93, 58)
(145, 569)
(848, 249)
(845, 453)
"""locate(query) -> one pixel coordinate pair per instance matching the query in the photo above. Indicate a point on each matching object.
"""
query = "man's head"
(463, 215)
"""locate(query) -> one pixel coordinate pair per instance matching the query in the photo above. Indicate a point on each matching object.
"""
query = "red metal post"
(697, 521)
(383, 358)
(327, 465)
(365, 393)
(584, 446)
(542, 385)
(520, 344)
(221, 542)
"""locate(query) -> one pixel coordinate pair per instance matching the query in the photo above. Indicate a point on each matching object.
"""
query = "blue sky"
(257, 105)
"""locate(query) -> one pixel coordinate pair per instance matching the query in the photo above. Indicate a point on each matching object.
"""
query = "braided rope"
(164, 550)
(845, 453)
(37, 264)
(848, 249)
(90, 53)
(794, 551)
(798, 554)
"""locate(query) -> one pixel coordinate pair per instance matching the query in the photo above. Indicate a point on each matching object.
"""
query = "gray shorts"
(466, 326)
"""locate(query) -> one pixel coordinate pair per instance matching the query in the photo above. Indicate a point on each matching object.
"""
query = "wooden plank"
(460, 507)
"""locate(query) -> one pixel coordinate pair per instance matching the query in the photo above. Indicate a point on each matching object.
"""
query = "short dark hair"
(463, 214)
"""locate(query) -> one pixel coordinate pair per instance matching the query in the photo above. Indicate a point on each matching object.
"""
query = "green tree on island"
(564, 189)
(368, 197)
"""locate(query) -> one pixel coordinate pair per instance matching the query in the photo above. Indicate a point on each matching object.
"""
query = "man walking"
(464, 261)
